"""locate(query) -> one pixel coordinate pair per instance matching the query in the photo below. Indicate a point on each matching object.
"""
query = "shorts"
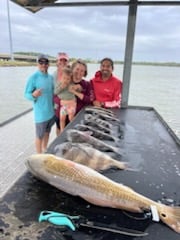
(44, 127)
(68, 107)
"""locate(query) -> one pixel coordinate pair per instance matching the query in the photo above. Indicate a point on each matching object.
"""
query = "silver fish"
(79, 180)
(102, 114)
(88, 156)
(97, 125)
(96, 133)
(107, 117)
(85, 137)
(105, 110)
(98, 120)
(96, 110)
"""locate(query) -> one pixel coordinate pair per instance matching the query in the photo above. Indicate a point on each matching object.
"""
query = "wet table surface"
(149, 147)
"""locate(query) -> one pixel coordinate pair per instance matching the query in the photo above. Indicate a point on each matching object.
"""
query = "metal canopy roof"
(36, 5)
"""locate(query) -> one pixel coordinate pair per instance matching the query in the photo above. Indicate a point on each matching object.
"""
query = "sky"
(92, 32)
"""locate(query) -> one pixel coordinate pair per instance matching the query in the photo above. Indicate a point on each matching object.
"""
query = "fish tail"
(118, 152)
(122, 165)
(170, 216)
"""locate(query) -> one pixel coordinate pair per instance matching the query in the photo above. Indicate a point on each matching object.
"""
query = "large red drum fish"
(79, 180)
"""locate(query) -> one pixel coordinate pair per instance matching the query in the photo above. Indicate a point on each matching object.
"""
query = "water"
(153, 86)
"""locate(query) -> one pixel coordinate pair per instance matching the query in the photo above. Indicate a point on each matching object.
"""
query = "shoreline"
(20, 64)
(29, 64)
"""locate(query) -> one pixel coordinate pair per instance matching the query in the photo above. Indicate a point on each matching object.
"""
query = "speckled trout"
(79, 180)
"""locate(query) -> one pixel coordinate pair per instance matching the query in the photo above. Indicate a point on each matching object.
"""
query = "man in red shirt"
(107, 88)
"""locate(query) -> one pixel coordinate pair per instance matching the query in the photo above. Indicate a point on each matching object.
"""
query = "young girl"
(61, 62)
(67, 99)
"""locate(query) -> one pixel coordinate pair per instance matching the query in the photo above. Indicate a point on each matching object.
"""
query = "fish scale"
(82, 181)
(88, 156)
(102, 185)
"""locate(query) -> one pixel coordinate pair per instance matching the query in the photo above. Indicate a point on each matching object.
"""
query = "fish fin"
(115, 165)
(117, 151)
(129, 168)
(123, 165)
(170, 216)
(83, 149)
(88, 133)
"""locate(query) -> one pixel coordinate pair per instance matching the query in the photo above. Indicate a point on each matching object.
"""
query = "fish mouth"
(30, 164)
(34, 164)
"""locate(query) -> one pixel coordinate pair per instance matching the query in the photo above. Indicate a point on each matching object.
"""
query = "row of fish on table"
(75, 167)
(90, 142)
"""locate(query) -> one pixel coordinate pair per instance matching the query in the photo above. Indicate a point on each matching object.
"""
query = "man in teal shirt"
(39, 89)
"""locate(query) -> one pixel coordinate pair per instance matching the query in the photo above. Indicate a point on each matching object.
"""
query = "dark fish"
(102, 122)
(107, 117)
(88, 156)
(95, 110)
(85, 137)
(96, 133)
(97, 125)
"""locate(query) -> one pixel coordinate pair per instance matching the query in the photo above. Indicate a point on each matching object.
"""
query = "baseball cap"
(63, 56)
(42, 56)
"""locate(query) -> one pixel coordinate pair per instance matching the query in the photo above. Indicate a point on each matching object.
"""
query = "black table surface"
(148, 145)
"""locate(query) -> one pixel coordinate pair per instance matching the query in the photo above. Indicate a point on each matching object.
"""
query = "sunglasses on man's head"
(41, 62)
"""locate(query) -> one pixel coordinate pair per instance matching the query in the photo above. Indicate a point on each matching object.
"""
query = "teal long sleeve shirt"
(42, 105)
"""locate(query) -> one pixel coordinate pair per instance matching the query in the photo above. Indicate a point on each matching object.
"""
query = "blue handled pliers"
(74, 222)
(59, 219)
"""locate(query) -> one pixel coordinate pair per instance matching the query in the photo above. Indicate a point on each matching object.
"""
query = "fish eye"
(163, 215)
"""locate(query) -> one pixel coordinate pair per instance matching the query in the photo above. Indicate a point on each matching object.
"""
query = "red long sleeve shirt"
(108, 92)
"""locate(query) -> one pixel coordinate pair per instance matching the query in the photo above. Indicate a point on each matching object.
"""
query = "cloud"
(93, 32)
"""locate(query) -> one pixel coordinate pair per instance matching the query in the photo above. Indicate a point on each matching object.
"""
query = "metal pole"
(129, 52)
(10, 34)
